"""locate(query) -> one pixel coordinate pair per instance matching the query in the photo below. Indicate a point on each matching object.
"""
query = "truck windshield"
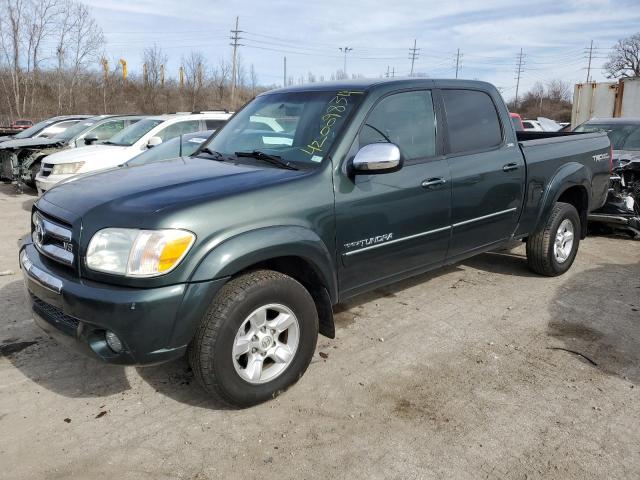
(135, 132)
(623, 136)
(297, 127)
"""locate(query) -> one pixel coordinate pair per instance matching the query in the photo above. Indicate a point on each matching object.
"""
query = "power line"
(235, 37)
(413, 55)
(589, 65)
(345, 50)
(519, 70)
(458, 59)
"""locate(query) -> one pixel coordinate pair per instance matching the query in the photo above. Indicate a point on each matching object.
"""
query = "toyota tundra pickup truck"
(235, 255)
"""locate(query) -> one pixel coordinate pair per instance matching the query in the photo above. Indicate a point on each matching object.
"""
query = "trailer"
(605, 100)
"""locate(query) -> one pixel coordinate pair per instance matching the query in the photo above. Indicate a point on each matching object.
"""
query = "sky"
(554, 36)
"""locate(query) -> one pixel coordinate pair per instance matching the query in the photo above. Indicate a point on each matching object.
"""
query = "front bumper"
(155, 325)
(45, 183)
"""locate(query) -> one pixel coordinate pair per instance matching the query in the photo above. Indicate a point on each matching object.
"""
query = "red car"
(517, 121)
(21, 124)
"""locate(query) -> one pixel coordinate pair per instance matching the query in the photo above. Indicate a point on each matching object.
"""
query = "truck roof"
(371, 83)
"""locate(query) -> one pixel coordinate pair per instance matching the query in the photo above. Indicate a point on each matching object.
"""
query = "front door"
(394, 223)
(487, 172)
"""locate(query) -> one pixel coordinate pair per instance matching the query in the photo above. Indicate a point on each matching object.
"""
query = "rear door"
(394, 223)
(487, 172)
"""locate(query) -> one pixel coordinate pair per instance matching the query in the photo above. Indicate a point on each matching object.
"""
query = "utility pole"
(393, 72)
(458, 58)
(387, 74)
(345, 50)
(519, 70)
(413, 55)
(284, 78)
(590, 56)
(235, 37)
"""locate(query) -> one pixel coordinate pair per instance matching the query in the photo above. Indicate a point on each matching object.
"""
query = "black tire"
(540, 251)
(210, 352)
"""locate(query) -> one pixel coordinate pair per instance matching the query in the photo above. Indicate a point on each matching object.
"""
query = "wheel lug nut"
(254, 350)
(273, 332)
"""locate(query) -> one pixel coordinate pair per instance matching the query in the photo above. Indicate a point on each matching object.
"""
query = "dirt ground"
(459, 373)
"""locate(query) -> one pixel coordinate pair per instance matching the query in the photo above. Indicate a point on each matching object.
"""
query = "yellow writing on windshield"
(335, 111)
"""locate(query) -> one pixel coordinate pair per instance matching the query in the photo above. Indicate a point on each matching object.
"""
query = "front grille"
(47, 168)
(54, 316)
(53, 239)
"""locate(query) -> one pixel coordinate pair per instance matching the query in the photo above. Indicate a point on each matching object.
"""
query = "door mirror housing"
(377, 158)
(90, 140)
(154, 142)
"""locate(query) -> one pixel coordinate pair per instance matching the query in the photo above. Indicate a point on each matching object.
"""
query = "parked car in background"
(181, 146)
(532, 126)
(46, 128)
(147, 133)
(235, 256)
(21, 124)
(516, 119)
(622, 210)
(10, 168)
(27, 154)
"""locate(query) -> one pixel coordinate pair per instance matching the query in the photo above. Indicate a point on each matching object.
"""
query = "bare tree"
(85, 40)
(624, 60)
(154, 61)
(221, 76)
(253, 79)
(194, 72)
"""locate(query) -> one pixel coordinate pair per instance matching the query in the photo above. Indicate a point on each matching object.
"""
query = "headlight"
(66, 168)
(138, 253)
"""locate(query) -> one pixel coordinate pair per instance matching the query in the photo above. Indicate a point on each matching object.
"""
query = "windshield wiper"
(265, 157)
(217, 155)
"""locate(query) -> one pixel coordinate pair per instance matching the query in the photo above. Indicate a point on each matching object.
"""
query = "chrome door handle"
(433, 182)
(510, 167)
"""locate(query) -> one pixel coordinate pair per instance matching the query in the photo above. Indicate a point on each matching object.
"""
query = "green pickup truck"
(309, 195)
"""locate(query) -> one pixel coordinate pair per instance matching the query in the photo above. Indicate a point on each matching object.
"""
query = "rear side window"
(179, 128)
(406, 119)
(472, 119)
(214, 124)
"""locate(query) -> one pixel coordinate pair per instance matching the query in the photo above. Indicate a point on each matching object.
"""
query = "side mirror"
(154, 142)
(377, 158)
(90, 140)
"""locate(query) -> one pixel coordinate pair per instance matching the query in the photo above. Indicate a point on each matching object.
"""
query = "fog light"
(113, 341)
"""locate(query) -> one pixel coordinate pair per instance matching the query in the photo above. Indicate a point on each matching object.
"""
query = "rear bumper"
(155, 325)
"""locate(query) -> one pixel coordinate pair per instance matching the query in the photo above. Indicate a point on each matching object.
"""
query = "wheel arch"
(570, 184)
(292, 250)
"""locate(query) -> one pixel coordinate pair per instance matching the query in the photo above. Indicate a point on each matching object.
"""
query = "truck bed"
(546, 153)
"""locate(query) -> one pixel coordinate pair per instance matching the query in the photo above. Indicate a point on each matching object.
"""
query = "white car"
(532, 126)
(123, 146)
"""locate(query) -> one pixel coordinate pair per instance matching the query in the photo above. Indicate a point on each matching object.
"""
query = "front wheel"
(552, 250)
(256, 339)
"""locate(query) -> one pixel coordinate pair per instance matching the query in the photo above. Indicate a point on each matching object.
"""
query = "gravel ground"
(459, 373)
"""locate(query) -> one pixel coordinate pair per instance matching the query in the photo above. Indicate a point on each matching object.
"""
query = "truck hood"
(104, 155)
(162, 185)
(30, 142)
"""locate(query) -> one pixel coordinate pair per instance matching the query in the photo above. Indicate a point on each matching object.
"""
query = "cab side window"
(106, 130)
(406, 119)
(473, 121)
(179, 128)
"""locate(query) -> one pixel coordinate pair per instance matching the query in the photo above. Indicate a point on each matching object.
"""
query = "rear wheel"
(256, 339)
(552, 250)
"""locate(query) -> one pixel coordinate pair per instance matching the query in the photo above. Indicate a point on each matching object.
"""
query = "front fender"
(249, 248)
(569, 175)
